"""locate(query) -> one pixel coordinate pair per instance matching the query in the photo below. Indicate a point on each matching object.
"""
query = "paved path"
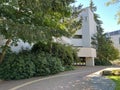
(71, 80)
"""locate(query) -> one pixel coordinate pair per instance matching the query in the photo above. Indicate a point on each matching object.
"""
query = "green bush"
(68, 68)
(46, 64)
(41, 47)
(55, 65)
(41, 65)
(66, 54)
(26, 64)
(102, 62)
(17, 66)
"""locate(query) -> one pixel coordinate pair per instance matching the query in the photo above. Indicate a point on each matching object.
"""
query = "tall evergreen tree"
(92, 6)
(103, 45)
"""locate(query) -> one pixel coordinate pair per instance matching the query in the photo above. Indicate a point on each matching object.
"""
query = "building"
(82, 38)
(115, 37)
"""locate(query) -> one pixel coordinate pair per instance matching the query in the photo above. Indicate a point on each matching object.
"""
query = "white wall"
(86, 52)
(115, 39)
(87, 30)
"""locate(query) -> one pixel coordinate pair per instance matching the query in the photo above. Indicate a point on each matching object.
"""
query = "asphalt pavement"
(83, 78)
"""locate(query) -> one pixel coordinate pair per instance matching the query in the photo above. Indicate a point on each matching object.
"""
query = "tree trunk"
(4, 50)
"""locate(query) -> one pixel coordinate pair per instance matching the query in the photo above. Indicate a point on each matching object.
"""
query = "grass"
(116, 79)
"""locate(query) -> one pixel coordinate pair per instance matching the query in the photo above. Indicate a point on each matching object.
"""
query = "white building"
(115, 37)
(82, 38)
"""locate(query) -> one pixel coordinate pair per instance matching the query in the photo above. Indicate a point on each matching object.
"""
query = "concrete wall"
(116, 41)
(115, 37)
(90, 61)
(86, 52)
(87, 31)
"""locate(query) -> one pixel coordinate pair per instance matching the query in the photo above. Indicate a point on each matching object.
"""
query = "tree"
(105, 50)
(35, 20)
(115, 2)
(92, 6)
(103, 45)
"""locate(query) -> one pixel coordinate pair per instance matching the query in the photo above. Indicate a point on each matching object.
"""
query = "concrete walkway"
(99, 82)
(79, 79)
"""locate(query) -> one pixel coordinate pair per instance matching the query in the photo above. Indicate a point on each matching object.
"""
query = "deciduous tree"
(115, 2)
(35, 20)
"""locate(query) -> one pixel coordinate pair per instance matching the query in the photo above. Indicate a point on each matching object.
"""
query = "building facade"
(115, 37)
(82, 38)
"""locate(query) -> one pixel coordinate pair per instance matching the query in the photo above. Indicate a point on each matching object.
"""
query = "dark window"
(119, 40)
(86, 18)
(77, 36)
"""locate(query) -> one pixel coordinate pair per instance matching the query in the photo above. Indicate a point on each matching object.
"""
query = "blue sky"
(106, 13)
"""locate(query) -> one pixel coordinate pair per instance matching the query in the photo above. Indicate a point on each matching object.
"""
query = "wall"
(87, 31)
(115, 40)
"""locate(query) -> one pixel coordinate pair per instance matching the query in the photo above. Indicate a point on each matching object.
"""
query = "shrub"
(66, 54)
(46, 64)
(41, 65)
(102, 62)
(17, 66)
(55, 65)
(69, 67)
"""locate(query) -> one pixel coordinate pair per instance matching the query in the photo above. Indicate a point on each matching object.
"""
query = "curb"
(99, 73)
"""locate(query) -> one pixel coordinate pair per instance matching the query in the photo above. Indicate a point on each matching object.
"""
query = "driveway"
(70, 80)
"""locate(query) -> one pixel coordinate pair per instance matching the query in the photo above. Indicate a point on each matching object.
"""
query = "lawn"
(116, 79)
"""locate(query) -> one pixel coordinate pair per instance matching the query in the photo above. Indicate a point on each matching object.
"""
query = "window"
(119, 40)
(86, 18)
(77, 36)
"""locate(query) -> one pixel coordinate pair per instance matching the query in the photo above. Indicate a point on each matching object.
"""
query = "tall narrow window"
(86, 18)
(119, 40)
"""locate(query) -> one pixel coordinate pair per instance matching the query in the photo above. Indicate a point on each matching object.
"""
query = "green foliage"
(116, 79)
(45, 64)
(41, 65)
(26, 64)
(92, 6)
(55, 64)
(69, 67)
(17, 66)
(110, 2)
(66, 54)
(106, 52)
(104, 46)
(36, 20)
(102, 62)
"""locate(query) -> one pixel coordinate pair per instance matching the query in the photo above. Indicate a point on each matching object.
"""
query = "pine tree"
(92, 6)
(103, 45)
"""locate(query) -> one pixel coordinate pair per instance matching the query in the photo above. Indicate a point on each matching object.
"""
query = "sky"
(106, 13)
